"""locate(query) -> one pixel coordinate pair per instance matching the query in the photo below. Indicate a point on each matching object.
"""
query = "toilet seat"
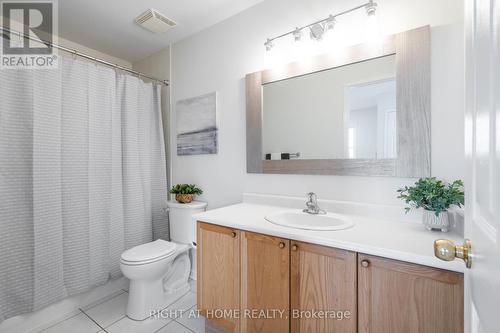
(148, 253)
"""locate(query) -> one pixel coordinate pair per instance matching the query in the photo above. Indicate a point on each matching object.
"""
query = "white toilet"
(159, 271)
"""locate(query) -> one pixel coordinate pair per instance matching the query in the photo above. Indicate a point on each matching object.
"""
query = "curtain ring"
(74, 54)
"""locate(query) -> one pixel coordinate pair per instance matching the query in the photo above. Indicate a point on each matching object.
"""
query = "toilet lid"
(158, 248)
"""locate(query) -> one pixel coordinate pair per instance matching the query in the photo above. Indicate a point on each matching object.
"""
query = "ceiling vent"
(154, 21)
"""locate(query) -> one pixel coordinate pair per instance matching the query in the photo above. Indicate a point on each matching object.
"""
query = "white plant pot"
(433, 222)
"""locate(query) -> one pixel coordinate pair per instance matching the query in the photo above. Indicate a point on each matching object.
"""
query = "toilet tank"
(182, 225)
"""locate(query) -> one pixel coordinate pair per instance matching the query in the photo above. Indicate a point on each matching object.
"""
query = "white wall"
(218, 59)
(93, 52)
(158, 65)
(17, 26)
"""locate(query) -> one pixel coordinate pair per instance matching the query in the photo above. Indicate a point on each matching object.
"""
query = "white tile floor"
(108, 315)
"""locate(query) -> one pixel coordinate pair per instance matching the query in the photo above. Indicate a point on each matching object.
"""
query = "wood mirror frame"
(413, 103)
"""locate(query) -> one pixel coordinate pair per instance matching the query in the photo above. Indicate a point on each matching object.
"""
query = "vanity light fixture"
(319, 28)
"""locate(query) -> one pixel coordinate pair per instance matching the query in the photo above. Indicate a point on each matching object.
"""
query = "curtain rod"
(83, 55)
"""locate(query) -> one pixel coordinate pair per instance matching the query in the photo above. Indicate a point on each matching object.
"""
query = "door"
(322, 279)
(396, 297)
(482, 209)
(265, 269)
(218, 269)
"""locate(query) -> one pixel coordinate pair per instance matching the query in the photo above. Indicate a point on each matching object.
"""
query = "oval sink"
(299, 220)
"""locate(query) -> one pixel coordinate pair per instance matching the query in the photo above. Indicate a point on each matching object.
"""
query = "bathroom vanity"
(265, 266)
(375, 276)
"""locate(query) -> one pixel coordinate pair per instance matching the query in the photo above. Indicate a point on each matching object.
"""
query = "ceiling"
(108, 25)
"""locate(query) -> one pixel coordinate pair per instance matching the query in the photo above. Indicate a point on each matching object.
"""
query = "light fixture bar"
(369, 4)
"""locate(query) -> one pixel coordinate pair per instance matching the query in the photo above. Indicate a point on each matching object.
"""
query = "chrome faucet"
(312, 205)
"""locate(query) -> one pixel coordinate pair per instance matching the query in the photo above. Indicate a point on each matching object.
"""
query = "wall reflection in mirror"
(347, 112)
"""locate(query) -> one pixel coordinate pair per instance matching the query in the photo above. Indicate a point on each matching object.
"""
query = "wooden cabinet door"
(322, 279)
(265, 269)
(396, 296)
(218, 269)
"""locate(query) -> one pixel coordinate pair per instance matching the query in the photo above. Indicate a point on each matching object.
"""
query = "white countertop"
(406, 241)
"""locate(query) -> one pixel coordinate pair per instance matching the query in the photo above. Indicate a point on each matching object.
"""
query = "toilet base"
(148, 297)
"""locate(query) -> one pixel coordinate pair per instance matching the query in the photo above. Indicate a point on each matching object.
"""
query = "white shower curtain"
(82, 178)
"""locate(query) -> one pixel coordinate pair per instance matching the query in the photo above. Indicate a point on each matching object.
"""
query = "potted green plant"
(435, 197)
(184, 192)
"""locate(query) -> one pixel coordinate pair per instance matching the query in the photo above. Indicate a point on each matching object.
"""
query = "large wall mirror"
(366, 112)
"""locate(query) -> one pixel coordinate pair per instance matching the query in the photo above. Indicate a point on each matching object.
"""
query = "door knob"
(282, 245)
(447, 250)
(294, 247)
(233, 234)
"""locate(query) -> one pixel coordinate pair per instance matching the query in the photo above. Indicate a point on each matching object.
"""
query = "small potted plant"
(184, 192)
(435, 197)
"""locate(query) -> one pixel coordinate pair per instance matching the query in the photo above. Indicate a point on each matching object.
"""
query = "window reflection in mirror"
(347, 112)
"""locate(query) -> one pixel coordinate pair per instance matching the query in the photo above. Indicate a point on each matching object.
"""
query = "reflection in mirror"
(371, 114)
(346, 112)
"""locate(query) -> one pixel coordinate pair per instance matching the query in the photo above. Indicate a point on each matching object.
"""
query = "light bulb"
(336, 38)
(371, 8)
(270, 57)
(297, 34)
(268, 44)
(372, 29)
(317, 31)
(330, 22)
